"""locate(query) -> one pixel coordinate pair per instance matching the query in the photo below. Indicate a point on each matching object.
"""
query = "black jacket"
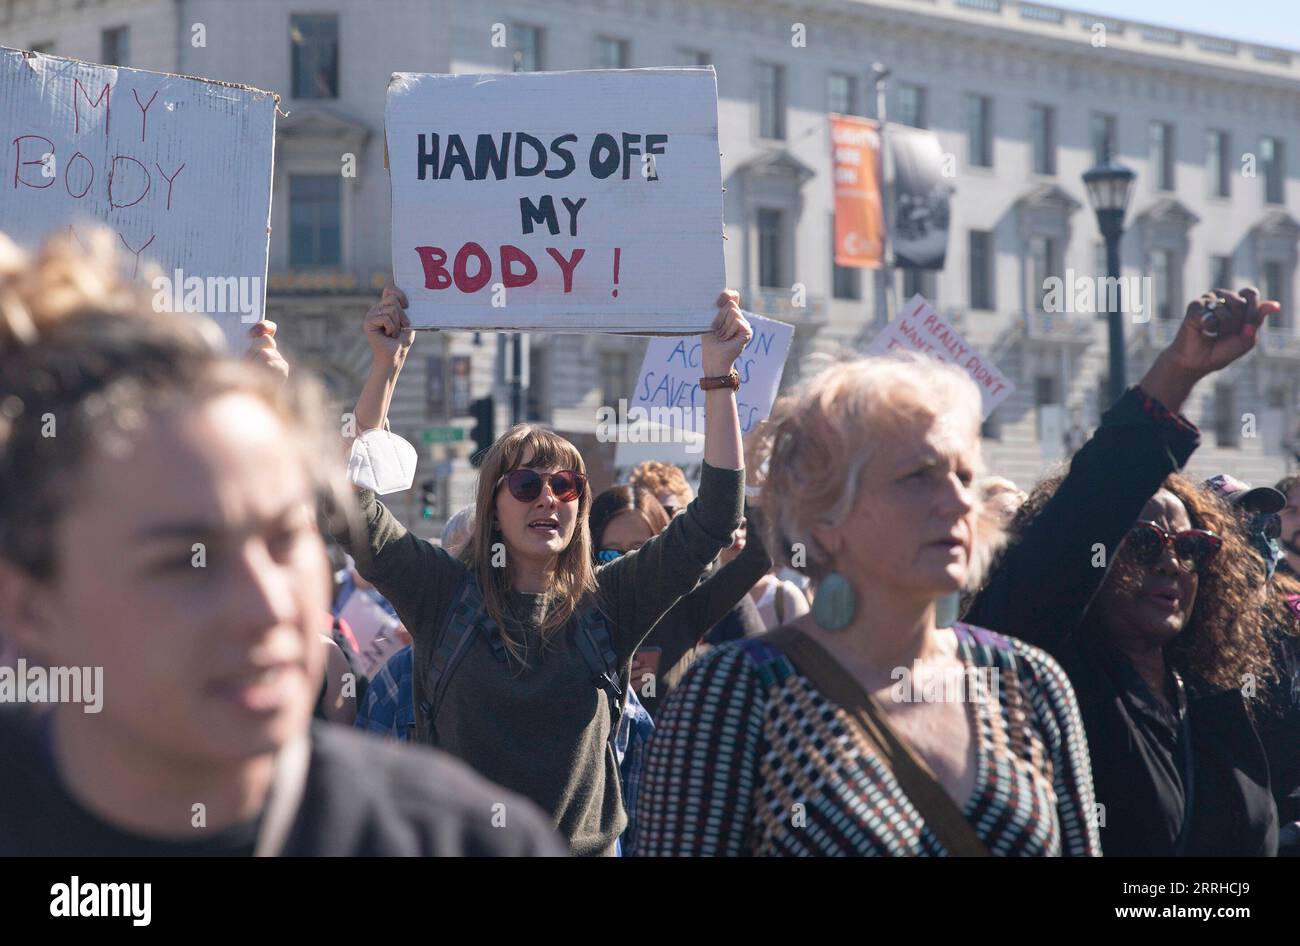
(1041, 592)
(363, 798)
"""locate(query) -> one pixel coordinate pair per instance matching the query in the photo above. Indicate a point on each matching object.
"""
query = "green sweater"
(543, 731)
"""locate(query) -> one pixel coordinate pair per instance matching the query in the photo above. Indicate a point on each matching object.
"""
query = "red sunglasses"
(1194, 548)
(526, 485)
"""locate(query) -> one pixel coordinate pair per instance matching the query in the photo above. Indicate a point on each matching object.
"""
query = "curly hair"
(1227, 635)
(660, 477)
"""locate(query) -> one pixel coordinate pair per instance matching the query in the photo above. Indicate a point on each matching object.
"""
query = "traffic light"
(484, 433)
(428, 498)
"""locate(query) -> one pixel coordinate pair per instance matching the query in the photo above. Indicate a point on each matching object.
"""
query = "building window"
(1167, 279)
(1218, 163)
(911, 105)
(1103, 137)
(1044, 264)
(1275, 287)
(846, 281)
(1162, 155)
(315, 224)
(1042, 132)
(770, 249)
(314, 42)
(613, 376)
(842, 94)
(612, 53)
(1221, 272)
(115, 46)
(1227, 425)
(979, 130)
(771, 101)
(537, 397)
(526, 48)
(981, 269)
(1272, 156)
(1044, 395)
(693, 58)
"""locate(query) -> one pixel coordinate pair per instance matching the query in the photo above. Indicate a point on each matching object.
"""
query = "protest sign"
(557, 201)
(667, 405)
(178, 168)
(374, 628)
(919, 328)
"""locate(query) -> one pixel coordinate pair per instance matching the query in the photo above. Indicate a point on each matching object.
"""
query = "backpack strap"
(596, 646)
(466, 618)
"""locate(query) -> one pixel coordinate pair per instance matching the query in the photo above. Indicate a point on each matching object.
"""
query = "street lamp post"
(1110, 185)
(880, 74)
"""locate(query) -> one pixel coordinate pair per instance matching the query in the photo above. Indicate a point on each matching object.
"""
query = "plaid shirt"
(634, 731)
(386, 709)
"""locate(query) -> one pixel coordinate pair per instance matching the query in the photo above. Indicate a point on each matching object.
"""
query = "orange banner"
(859, 221)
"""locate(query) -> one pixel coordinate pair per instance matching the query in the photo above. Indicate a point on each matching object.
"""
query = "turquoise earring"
(835, 603)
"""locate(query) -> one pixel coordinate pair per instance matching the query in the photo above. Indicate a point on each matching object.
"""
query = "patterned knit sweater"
(750, 759)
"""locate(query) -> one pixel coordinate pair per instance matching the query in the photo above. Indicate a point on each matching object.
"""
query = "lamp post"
(880, 75)
(1110, 185)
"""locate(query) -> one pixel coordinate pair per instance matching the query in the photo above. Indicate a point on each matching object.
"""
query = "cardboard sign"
(375, 630)
(178, 168)
(859, 214)
(557, 201)
(919, 328)
(667, 406)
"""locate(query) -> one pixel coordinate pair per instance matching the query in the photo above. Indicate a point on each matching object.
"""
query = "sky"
(1271, 22)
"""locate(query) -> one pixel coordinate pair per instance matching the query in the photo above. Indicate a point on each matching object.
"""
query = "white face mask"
(382, 461)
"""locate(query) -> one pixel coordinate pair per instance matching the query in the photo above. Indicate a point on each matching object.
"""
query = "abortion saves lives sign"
(178, 168)
(557, 201)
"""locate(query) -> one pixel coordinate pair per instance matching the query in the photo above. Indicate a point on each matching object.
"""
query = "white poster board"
(557, 201)
(918, 327)
(178, 168)
(667, 406)
(375, 630)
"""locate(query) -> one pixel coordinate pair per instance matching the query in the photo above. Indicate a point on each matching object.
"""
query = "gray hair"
(458, 530)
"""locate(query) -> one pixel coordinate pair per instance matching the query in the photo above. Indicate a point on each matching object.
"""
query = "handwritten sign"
(178, 168)
(919, 328)
(375, 630)
(666, 409)
(670, 374)
(557, 201)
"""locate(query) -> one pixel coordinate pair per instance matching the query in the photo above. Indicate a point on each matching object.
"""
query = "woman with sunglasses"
(504, 634)
(1145, 590)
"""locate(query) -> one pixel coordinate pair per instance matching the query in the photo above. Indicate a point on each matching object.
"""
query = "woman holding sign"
(522, 643)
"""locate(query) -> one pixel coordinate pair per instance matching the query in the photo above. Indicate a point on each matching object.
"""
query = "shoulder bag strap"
(914, 776)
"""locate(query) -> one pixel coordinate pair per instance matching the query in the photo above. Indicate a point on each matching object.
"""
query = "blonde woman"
(862, 728)
(522, 644)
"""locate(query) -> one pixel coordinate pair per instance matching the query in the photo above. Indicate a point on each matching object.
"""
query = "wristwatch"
(730, 380)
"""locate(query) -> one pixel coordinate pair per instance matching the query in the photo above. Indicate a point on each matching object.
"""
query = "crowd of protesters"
(759, 668)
